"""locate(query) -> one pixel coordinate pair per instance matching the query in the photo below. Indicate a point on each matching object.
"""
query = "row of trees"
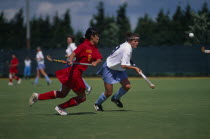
(163, 30)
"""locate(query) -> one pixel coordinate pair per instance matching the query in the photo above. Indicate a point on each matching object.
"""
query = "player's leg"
(29, 72)
(74, 101)
(25, 73)
(122, 91)
(10, 79)
(18, 79)
(49, 95)
(46, 76)
(87, 86)
(79, 89)
(37, 77)
(103, 97)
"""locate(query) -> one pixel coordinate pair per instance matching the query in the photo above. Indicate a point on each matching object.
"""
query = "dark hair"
(13, 53)
(132, 36)
(81, 40)
(72, 37)
(90, 31)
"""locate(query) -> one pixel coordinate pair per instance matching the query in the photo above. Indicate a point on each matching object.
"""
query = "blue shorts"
(40, 66)
(111, 76)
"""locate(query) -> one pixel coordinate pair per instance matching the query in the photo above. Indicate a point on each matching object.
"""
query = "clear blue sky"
(82, 10)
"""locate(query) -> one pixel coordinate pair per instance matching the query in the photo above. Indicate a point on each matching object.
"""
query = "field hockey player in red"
(13, 70)
(71, 77)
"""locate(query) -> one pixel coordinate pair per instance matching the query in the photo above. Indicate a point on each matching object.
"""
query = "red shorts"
(13, 70)
(71, 77)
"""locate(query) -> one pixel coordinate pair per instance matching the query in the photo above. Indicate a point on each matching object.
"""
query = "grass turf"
(177, 108)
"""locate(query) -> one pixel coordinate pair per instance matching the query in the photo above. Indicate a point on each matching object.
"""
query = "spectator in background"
(204, 50)
(13, 70)
(27, 68)
(40, 67)
(70, 48)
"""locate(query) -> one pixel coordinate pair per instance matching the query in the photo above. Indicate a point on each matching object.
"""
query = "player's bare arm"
(132, 67)
(95, 63)
(71, 57)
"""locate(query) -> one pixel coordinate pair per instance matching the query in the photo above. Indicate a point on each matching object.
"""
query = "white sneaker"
(19, 81)
(10, 83)
(61, 111)
(33, 99)
(88, 90)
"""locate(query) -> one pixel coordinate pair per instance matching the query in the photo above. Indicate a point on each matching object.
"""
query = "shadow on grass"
(121, 111)
(78, 113)
(92, 113)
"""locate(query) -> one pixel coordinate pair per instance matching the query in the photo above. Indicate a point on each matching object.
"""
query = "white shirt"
(121, 55)
(27, 62)
(70, 48)
(207, 51)
(40, 57)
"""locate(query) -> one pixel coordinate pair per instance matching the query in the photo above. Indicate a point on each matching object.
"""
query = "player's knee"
(80, 100)
(61, 94)
(83, 99)
(127, 87)
(108, 93)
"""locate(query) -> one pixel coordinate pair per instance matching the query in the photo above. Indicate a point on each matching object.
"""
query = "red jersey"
(86, 53)
(13, 69)
(14, 61)
(72, 76)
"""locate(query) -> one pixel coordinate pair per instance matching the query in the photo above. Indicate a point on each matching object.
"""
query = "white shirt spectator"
(40, 57)
(27, 62)
(121, 55)
(70, 48)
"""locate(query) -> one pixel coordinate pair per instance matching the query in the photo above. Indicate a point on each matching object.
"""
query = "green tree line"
(164, 30)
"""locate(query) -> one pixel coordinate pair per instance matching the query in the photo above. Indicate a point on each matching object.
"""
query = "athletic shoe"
(117, 102)
(10, 83)
(88, 90)
(19, 81)
(98, 107)
(49, 82)
(33, 99)
(61, 111)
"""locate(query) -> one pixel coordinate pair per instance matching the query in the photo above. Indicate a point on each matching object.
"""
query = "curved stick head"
(152, 86)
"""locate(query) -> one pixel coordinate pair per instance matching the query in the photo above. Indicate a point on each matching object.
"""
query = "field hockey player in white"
(114, 71)
(70, 48)
(40, 67)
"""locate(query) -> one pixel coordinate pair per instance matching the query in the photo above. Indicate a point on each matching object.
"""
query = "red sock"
(72, 102)
(47, 95)
(16, 77)
(10, 79)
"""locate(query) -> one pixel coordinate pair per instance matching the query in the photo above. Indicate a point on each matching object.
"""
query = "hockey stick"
(66, 62)
(147, 80)
(142, 74)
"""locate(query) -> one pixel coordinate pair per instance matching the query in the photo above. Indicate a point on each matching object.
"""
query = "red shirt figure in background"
(13, 70)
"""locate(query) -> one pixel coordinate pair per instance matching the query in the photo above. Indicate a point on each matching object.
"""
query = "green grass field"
(179, 108)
